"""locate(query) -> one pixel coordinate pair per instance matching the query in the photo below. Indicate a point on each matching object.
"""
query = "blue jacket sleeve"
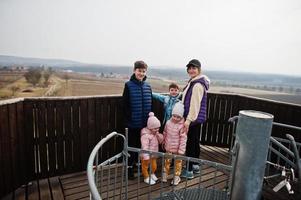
(158, 96)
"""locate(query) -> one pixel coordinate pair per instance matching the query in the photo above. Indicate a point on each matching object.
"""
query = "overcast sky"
(241, 35)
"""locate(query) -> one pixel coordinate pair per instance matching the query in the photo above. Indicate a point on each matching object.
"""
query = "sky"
(242, 35)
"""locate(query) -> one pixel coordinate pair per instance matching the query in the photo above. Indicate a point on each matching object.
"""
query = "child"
(137, 103)
(174, 141)
(169, 100)
(150, 139)
(195, 109)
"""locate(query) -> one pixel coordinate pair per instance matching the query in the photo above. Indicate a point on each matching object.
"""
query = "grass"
(89, 85)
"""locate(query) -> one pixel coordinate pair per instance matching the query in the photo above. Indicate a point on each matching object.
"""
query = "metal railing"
(109, 179)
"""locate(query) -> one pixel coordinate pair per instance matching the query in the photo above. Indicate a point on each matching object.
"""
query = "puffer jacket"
(150, 142)
(174, 137)
(168, 103)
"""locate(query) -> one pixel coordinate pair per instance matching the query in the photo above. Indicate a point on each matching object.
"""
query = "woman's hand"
(186, 126)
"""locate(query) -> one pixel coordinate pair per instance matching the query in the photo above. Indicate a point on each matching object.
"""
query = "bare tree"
(14, 89)
(33, 76)
(47, 73)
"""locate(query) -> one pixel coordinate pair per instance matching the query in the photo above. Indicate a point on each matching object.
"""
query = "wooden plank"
(68, 137)
(2, 152)
(222, 121)
(91, 125)
(76, 151)
(52, 139)
(213, 156)
(84, 132)
(98, 119)
(60, 136)
(15, 165)
(226, 131)
(21, 145)
(105, 128)
(120, 127)
(56, 189)
(216, 117)
(44, 189)
(29, 141)
(6, 151)
(33, 191)
(20, 193)
(42, 138)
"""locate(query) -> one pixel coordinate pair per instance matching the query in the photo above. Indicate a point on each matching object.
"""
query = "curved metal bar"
(94, 192)
(287, 126)
(296, 153)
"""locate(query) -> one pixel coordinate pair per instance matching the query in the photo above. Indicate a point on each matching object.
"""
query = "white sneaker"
(154, 177)
(164, 177)
(176, 180)
(149, 181)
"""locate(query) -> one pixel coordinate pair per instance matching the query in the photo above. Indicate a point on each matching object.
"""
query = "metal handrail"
(93, 188)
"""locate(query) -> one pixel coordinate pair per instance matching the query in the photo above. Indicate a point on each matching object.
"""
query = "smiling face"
(176, 118)
(173, 92)
(193, 71)
(140, 73)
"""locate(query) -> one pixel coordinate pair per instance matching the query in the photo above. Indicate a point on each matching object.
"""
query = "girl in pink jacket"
(175, 139)
(150, 140)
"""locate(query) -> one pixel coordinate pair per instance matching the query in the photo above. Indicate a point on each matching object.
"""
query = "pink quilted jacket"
(150, 141)
(174, 137)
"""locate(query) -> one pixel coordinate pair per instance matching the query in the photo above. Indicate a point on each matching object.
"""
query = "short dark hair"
(140, 65)
(173, 85)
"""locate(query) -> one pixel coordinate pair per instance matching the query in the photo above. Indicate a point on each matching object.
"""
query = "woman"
(195, 106)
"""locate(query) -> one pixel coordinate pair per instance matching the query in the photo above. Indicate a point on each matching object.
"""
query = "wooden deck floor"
(75, 186)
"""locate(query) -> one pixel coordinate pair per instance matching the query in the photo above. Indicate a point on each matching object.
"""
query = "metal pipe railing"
(93, 157)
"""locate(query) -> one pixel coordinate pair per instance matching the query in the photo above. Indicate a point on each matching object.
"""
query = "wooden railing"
(42, 137)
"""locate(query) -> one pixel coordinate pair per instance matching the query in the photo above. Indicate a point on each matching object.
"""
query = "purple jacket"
(203, 109)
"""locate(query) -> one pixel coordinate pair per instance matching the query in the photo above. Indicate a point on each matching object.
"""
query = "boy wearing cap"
(175, 139)
(195, 106)
(150, 140)
(137, 103)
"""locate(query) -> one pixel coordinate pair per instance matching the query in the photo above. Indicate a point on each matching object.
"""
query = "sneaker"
(196, 169)
(176, 180)
(164, 177)
(154, 177)
(187, 174)
(149, 181)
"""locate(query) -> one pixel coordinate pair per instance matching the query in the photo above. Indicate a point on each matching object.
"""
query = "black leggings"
(133, 141)
(193, 143)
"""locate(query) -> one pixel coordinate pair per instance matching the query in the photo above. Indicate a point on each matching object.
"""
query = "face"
(173, 92)
(155, 130)
(140, 73)
(176, 118)
(193, 71)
